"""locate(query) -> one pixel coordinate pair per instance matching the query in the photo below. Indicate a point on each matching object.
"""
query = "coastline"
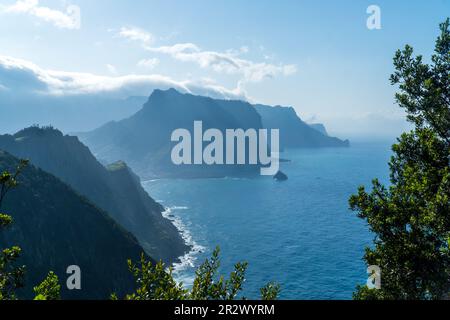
(188, 259)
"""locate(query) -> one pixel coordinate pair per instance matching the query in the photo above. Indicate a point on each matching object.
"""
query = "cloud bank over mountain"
(74, 101)
(30, 94)
(21, 76)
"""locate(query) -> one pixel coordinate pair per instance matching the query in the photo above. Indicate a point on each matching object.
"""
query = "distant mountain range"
(143, 140)
(295, 133)
(68, 113)
(56, 228)
(115, 188)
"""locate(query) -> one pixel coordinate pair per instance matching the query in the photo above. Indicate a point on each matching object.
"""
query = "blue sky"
(317, 56)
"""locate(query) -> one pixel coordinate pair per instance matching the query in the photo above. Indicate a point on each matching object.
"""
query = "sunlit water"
(299, 233)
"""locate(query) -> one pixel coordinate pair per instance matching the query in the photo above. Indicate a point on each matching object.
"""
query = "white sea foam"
(151, 180)
(188, 260)
(235, 178)
(179, 208)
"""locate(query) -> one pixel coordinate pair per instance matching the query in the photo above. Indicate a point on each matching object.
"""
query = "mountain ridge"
(143, 140)
(115, 189)
(56, 228)
(294, 132)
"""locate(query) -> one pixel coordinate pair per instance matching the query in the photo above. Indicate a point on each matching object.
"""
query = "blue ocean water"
(299, 233)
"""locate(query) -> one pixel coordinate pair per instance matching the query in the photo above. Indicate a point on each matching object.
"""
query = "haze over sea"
(299, 233)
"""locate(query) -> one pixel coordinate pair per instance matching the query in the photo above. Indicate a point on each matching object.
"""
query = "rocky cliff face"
(116, 189)
(319, 127)
(56, 228)
(144, 140)
(294, 133)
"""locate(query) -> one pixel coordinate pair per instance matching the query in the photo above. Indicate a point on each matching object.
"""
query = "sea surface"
(299, 233)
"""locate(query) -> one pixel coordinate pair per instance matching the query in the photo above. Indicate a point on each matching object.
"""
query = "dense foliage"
(56, 228)
(11, 276)
(155, 282)
(411, 218)
(49, 289)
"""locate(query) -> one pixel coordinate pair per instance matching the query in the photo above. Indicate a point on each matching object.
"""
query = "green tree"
(155, 282)
(49, 289)
(11, 276)
(209, 286)
(411, 218)
(270, 291)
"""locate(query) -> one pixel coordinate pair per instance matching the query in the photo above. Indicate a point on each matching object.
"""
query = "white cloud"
(26, 77)
(21, 6)
(69, 20)
(244, 49)
(148, 63)
(136, 34)
(228, 62)
(112, 69)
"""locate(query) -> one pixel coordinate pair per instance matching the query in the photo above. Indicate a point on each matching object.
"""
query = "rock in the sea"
(280, 176)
